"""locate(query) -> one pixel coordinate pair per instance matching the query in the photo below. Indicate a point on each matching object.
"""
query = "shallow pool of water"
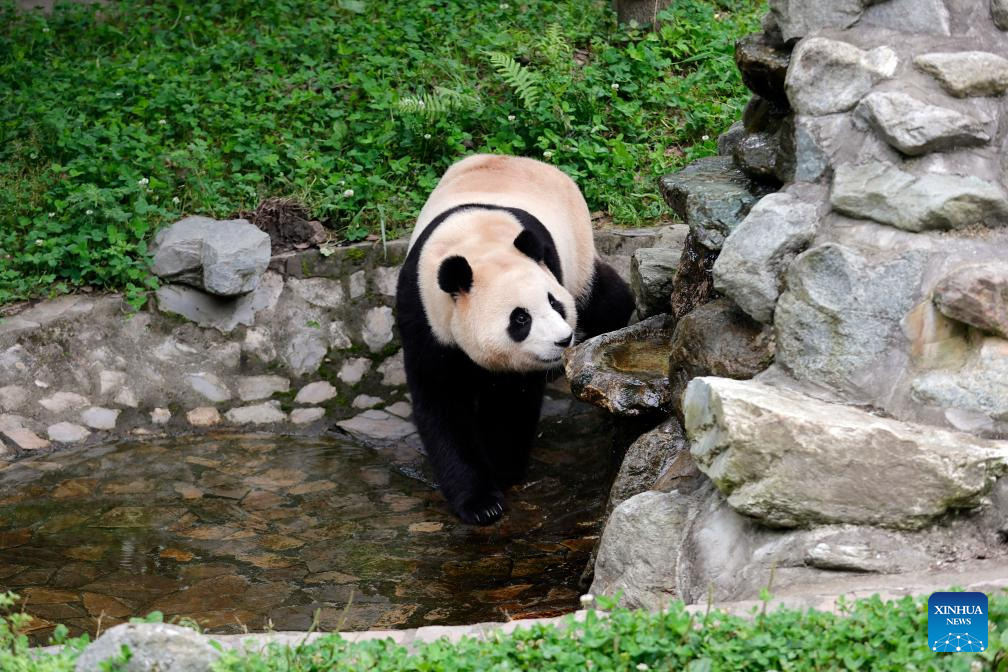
(263, 532)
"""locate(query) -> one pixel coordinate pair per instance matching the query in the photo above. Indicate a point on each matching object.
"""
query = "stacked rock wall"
(858, 217)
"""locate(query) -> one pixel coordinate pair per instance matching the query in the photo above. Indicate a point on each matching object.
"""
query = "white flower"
(89, 212)
(118, 94)
(348, 193)
(421, 103)
(426, 136)
(587, 599)
(39, 241)
(643, 666)
(52, 214)
(614, 86)
(162, 122)
(705, 138)
(46, 29)
(548, 154)
(143, 181)
(505, 5)
(176, 200)
(511, 117)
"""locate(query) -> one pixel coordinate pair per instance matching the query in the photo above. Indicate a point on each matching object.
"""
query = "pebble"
(204, 416)
(315, 393)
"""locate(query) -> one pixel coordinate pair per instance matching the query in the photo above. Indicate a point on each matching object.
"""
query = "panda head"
(509, 311)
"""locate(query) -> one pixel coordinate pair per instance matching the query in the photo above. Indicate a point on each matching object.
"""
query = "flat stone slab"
(828, 76)
(789, 460)
(915, 127)
(967, 73)
(209, 386)
(62, 402)
(152, 646)
(378, 425)
(976, 295)
(258, 414)
(24, 438)
(315, 393)
(252, 388)
(97, 417)
(204, 416)
(303, 416)
(67, 432)
(712, 196)
(887, 195)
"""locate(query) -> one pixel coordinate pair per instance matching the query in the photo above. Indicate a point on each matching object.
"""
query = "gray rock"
(967, 73)
(638, 552)
(811, 159)
(652, 270)
(400, 408)
(728, 140)
(304, 352)
(363, 401)
(647, 458)
(178, 250)
(976, 295)
(258, 414)
(154, 647)
(915, 127)
(393, 371)
(315, 393)
(974, 396)
(321, 292)
(827, 76)
(100, 418)
(888, 195)
(926, 17)
(67, 432)
(798, 18)
(353, 370)
(61, 402)
(304, 416)
(204, 416)
(217, 312)
(259, 343)
(768, 450)
(338, 338)
(840, 314)
(110, 382)
(757, 154)
(126, 397)
(209, 386)
(160, 416)
(375, 425)
(999, 13)
(252, 388)
(625, 371)
(387, 279)
(235, 255)
(763, 63)
(358, 284)
(12, 397)
(712, 196)
(377, 330)
(756, 255)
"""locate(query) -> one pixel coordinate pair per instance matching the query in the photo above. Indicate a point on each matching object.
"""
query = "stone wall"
(857, 218)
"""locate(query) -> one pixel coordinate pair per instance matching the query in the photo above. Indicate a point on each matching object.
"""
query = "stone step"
(712, 196)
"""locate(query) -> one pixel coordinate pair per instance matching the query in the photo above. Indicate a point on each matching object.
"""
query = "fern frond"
(437, 104)
(555, 47)
(523, 81)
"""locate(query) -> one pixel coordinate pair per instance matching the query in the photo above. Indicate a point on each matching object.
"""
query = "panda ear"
(455, 276)
(530, 245)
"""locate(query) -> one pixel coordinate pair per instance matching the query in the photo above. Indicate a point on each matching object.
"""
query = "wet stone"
(315, 393)
(763, 65)
(363, 401)
(160, 416)
(400, 408)
(378, 426)
(25, 439)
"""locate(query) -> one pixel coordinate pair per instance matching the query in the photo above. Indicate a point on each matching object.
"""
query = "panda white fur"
(500, 275)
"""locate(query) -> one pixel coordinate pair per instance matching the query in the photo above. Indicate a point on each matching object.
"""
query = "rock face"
(999, 12)
(976, 295)
(888, 195)
(766, 448)
(225, 258)
(153, 646)
(928, 17)
(798, 18)
(828, 76)
(647, 459)
(915, 127)
(755, 256)
(967, 73)
(651, 273)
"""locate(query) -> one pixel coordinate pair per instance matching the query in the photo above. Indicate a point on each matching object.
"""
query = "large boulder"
(828, 76)
(153, 647)
(915, 127)
(789, 460)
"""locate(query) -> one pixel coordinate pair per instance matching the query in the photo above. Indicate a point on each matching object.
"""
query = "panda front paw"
(481, 509)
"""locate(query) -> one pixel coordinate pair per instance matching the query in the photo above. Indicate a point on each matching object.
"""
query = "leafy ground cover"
(867, 635)
(113, 123)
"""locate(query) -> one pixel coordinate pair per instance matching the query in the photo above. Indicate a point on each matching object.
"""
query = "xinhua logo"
(957, 622)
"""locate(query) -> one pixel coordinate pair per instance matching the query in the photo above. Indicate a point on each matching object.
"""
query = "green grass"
(868, 635)
(112, 125)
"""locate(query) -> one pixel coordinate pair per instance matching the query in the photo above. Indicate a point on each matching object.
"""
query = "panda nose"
(564, 342)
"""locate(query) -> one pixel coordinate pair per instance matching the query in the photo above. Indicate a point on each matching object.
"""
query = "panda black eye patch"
(557, 306)
(520, 325)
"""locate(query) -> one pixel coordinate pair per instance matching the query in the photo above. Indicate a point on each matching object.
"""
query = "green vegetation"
(112, 124)
(868, 635)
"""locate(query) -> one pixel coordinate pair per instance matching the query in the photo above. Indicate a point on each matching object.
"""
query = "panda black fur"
(500, 274)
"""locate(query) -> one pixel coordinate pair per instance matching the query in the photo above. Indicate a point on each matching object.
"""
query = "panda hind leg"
(507, 416)
(607, 306)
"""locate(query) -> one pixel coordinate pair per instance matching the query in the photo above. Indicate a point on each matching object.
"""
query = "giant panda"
(500, 277)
